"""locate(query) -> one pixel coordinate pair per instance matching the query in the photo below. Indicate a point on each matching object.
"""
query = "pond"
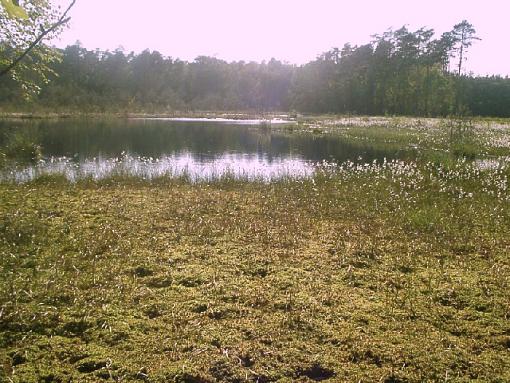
(200, 149)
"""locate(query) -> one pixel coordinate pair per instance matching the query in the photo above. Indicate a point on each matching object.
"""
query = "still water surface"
(197, 148)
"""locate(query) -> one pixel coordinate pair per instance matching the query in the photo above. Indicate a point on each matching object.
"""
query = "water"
(197, 148)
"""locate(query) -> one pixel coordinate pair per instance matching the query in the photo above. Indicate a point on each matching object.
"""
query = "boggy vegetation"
(393, 272)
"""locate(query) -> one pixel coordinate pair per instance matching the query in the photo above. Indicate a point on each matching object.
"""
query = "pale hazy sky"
(290, 30)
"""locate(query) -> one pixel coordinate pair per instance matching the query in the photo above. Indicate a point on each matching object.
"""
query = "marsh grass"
(462, 140)
(17, 145)
(451, 138)
(379, 272)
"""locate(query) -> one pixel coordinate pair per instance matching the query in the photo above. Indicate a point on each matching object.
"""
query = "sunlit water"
(199, 149)
(245, 166)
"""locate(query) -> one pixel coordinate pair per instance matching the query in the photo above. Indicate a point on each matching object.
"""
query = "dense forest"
(400, 72)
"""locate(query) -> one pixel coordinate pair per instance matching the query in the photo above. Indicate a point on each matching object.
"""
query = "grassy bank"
(51, 114)
(432, 138)
(394, 273)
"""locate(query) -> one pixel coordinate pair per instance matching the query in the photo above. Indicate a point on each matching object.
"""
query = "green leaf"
(13, 9)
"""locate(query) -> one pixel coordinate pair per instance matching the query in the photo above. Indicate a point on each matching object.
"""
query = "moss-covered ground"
(393, 272)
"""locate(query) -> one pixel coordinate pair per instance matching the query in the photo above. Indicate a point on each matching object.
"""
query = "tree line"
(400, 72)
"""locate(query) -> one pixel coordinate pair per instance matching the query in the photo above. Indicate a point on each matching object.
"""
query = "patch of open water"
(201, 149)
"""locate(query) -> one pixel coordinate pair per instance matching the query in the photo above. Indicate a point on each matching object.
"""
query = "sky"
(295, 31)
